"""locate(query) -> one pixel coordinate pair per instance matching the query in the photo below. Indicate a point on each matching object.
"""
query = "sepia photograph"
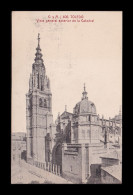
(66, 97)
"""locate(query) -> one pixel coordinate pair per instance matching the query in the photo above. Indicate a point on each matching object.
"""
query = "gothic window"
(45, 103)
(40, 102)
(37, 80)
(41, 83)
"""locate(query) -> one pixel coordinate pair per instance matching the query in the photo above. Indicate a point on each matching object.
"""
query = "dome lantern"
(84, 93)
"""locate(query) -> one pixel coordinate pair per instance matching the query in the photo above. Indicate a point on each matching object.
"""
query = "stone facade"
(85, 122)
(77, 140)
(39, 116)
(84, 129)
(18, 146)
(77, 161)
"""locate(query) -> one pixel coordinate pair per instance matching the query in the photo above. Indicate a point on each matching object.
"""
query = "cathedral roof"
(85, 105)
(66, 114)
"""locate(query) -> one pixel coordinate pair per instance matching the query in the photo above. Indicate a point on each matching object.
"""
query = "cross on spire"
(38, 58)
(38, 39)
(84, 86)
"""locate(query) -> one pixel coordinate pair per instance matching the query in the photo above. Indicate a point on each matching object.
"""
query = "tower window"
(40, 102)
(41, 83)
(45, 103)
(37, 80)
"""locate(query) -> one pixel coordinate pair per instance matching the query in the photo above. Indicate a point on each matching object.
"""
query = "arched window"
(45, 103)
(40, 102)
(37, 80)
(41, 83)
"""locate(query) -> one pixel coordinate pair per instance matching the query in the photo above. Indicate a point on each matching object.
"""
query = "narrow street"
(23, 173)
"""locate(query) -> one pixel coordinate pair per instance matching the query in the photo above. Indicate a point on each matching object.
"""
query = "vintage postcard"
(66, 97)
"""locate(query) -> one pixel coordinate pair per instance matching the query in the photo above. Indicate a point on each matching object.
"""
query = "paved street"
(24, 173)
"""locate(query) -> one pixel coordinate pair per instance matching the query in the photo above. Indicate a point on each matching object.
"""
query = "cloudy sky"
(74, 53)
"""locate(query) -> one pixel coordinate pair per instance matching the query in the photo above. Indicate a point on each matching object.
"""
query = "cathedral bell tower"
(38, 110)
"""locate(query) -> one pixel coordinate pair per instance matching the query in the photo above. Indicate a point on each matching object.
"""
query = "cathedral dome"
(84, 106)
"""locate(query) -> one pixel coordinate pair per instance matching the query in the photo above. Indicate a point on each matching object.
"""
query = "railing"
(48, 166)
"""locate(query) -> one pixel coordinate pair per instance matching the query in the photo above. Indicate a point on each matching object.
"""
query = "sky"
(74, 53)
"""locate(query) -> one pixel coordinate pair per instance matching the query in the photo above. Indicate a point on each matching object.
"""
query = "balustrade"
(48, 166)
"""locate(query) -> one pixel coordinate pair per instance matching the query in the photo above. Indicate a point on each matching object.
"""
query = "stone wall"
(75, 162)
(72, 163)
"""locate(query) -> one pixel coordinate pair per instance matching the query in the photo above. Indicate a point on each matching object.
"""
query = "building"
(81, 138)
(85, 122)
(111, 167)
(76, 141)
(85, 147)
(18, 146)
(39, 116)
(111, 158)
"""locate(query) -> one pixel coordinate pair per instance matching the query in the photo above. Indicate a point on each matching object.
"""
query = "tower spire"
(84, 86)
(38, 39)
(84, 93)
(38, 58)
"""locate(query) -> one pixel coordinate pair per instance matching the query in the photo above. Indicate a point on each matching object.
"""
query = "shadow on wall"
(23, 155)
(95, 177)
(57, 155)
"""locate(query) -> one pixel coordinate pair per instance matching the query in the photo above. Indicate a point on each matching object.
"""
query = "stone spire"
(38, 58)
(84, 93)
(38, 40)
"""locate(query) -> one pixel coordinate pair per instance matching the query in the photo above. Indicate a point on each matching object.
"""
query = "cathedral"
(77, 140)
(39, 116)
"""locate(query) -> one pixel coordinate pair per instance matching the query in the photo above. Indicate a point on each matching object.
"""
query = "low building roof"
(116, 154)
(115, 171)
